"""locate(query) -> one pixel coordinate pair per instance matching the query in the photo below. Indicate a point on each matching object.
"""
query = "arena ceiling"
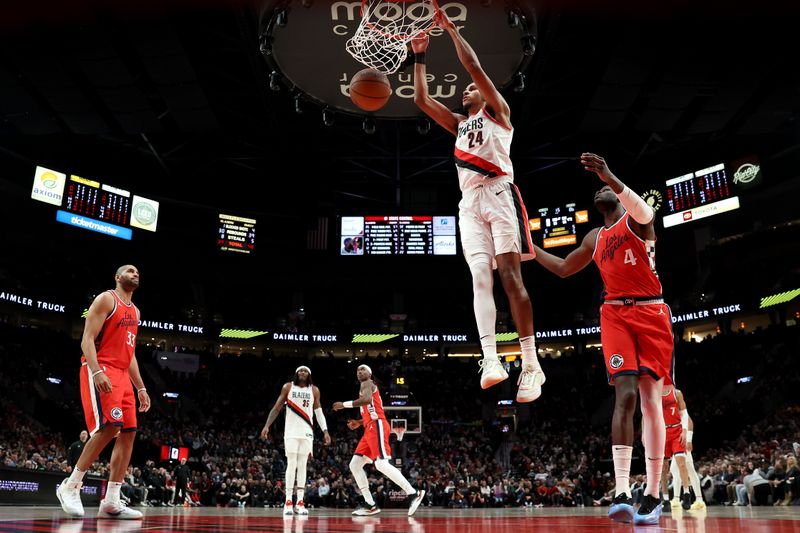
(173, 100)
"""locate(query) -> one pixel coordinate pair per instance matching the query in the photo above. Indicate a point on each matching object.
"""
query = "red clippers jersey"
(374, 411)
(117, 339)
(482, 150)
(627, 263)
(669, 403)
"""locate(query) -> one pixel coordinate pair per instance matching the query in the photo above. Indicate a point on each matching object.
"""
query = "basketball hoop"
(386, 28)
(399, 432)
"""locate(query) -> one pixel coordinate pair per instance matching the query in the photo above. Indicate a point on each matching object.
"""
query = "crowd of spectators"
(556, 451)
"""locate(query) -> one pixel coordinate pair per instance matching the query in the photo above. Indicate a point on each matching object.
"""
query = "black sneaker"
(665, 506)
(621, 509)
(686, 501)
(649, 512)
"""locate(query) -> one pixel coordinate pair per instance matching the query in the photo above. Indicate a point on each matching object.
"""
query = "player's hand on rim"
(595, 163)
(420, 43)
(443, 21)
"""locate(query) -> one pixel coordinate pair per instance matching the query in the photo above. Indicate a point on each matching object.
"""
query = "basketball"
(370, 89)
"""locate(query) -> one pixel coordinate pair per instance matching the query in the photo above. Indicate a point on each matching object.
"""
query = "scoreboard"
(558, 225)
(94, 206)
(699, 194)
(398, 235)
(101, 202)
(236, 234)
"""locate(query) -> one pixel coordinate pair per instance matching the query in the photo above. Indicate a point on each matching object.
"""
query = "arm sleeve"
(636, 206)
(685, 419)
(323, 424)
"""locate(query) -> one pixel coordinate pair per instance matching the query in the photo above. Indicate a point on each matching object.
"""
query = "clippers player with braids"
(108, 368)
(635, 329)
(302, 400)
(374, 445)
(491, 215)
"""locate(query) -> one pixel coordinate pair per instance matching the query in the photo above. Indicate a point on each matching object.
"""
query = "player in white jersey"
(301, 398)
(492, 217)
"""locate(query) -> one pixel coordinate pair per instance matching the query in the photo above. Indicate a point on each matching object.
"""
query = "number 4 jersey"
(482, 150)
(627, 263)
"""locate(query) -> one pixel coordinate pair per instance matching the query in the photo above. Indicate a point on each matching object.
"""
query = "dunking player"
(491, 215)
(635, 329)
(109, 406)
(301, 397)
(374, 445)
(678, 443)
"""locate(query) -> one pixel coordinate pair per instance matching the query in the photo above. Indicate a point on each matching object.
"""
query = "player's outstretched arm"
(438, 112)
(469, 59)
(639, 210)
(276, 409)
(574, 262)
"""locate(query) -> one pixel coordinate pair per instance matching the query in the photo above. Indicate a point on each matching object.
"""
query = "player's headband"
(367, 367)
(302, 367)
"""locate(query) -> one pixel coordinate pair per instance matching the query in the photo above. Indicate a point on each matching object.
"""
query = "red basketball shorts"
(117, 407)
(637, 339)
(672, 444)
(374, 444)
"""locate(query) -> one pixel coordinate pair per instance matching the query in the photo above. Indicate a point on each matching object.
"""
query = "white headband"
(302, 367)
(367, 367)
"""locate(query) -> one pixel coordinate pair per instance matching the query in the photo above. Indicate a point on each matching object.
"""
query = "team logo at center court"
(116, 413)
(616, 361)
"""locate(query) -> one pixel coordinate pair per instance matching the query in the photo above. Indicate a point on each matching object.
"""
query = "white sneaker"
(418, 497)
(69, 494)
(288, 509)
(492, 372)
(530, 384)
(675, 502)
(118, 510)
(300, 508)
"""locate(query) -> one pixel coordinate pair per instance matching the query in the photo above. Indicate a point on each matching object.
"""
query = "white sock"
(112, 491)
(388, 469)
(483, 304)
(490, 348)
(622, 468)
(367, 495)
(300, 494)
(357, 464)
(76, 476)
(529, 358)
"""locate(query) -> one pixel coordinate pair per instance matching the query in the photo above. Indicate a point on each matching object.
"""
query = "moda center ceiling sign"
(304, 42)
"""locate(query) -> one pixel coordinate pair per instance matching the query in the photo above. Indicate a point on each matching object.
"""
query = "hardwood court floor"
(426, 520)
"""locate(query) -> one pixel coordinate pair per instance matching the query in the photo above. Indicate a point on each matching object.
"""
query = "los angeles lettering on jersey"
(127, 321)
(613, 242)
(474, 124)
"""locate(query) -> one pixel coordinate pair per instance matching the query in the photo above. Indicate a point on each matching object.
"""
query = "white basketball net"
(386, 28)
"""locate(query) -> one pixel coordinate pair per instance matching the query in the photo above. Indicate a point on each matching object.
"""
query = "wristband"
(689, 436)
(98, 372)
(348, 404)
(419, 57)
(142, 389)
